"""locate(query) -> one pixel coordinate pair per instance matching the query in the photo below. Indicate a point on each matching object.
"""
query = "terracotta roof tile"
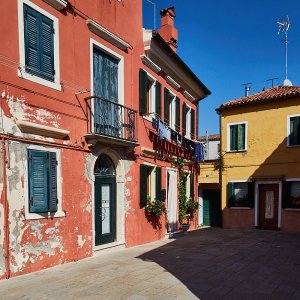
(211, 137)
(274, 93)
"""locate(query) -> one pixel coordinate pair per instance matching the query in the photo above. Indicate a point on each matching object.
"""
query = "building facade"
(210, 213)
(261, 167)
(77, 148)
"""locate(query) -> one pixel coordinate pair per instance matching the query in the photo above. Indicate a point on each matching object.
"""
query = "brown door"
(268, 206)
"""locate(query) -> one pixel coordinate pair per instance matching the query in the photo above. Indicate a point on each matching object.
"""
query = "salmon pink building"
(93, 115)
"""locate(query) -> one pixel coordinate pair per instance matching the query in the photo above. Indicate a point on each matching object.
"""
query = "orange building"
(79, 91)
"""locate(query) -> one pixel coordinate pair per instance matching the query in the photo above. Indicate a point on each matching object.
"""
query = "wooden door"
(268, 206)
(105, 210)
(212, 213)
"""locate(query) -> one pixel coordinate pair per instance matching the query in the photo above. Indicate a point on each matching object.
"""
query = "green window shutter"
(47, 48)
(38, 181)
(158, 98)
(233, 137)
(230, 194)
(167, 106)
(285, 194)
(294, 138)
(32, 42)
(241, 137)
(177, 123)
(251, 193)
(52, 182)
(143, 91)
(143, 185)
(192, 190)
(192, 123)
(158, 183)
(184, 107)
(39, 44)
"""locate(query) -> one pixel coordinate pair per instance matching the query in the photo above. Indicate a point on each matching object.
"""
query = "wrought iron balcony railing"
(111, 119)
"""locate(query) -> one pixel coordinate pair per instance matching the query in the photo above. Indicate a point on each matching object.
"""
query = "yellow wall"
(267, 153)
(208, 174)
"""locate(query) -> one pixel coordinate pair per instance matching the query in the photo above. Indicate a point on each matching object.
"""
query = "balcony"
(110, 122)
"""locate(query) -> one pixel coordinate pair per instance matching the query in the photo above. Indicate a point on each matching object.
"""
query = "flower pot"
(185, 228)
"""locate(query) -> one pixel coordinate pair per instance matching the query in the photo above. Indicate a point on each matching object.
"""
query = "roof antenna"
(247, 88)
(154, 12)
(284, 25)
(272, 80)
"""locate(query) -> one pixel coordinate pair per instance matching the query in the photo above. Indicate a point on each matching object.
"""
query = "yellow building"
(210, 213)
(260, 146)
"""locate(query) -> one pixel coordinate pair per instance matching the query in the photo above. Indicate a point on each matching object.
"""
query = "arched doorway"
(105, 200)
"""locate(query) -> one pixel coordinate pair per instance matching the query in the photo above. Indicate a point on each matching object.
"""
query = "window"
(150, 183)
(188, 121)
(38, 44)
(291, 194)
(150, 94)
(237, 137)
(42, 181)
(189, 185)
(294, 130)
(171, 110)
(240, 194)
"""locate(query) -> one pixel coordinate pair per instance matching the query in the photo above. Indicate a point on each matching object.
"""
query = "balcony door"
(105, 86)
(105, 201)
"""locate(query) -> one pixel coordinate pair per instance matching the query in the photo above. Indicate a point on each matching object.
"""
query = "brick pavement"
(205, 264)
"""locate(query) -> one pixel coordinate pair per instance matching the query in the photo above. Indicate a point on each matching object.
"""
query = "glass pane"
(269, 210)
(105, 193)
(295, 194)
(104, 166)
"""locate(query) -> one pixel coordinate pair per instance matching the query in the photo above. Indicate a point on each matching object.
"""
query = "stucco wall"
(267, 154)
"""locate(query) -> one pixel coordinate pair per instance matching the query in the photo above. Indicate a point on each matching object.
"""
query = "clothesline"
(168, 134)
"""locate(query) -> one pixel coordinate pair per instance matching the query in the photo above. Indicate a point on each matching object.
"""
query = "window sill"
(236, 151)
(292, 209)
(292, 146)
(49, 215)
(241, 208)
(149, 117)
(24, 75)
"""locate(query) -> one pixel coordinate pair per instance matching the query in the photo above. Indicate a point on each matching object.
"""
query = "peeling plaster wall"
(36, 244)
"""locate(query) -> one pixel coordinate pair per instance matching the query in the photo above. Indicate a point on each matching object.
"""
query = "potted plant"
(154, 208)
(187, 206)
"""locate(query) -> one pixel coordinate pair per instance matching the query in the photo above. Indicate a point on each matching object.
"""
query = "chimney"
(167, 30)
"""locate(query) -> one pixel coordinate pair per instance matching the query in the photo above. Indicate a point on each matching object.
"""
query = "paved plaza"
(205, 264)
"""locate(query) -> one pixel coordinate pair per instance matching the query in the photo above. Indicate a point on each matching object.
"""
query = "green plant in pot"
(155, 208)
(187, 206)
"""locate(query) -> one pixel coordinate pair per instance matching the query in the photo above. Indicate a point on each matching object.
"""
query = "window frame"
(59, 213)
(289, 130)
(292, 208)
(152, 180)
(188, 127)
(239, 182)
(22, 68)
(148, 116)
(172, 110)
(246, 136)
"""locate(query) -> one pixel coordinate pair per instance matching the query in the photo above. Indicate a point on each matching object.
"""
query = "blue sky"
(228, 43)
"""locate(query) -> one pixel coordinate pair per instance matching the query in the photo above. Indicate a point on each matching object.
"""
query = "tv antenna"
(247, 88)
(272, 80)
(154, 12)
(283, 27)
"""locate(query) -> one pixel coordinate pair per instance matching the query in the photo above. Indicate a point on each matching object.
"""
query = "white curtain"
(269, 211)
(172, 201)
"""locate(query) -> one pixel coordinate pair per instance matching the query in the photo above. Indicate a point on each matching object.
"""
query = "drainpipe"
(6, 212)
(219, 112)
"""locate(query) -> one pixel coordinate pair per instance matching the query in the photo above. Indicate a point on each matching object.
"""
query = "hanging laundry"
(164, 131)
(154, 124)
(173, 135)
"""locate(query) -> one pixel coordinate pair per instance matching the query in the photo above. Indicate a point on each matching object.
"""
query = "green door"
(105, 200)
(212, 214)
(105, 210)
